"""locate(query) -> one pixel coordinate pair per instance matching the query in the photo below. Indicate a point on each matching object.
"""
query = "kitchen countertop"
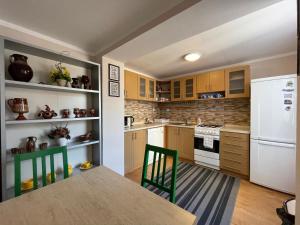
(154, 125)
(236, 129)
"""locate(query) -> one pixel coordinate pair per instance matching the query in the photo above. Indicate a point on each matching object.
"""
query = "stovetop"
(208, 129)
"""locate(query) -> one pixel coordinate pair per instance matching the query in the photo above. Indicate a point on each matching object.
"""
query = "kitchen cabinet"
(211, 82)
(189, 88)
(142, 88)
(151, 91)
(181, 139)
(135, 142)
(131, 85)
(176, 90)
(217, 81)
(237, 82)
(234, 152)
(203, 83)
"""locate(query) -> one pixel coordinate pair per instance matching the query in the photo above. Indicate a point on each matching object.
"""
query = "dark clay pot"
(19, 69)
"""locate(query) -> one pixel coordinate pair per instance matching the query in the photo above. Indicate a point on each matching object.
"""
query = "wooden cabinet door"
(176, 90)
(140, 141)
(189, 88)
(142, 88)
(172, 135)
(151, 89)
(237, 82)
(128, 151)
(217, 81)
(186, 137)
(131, 85)
(203, 83)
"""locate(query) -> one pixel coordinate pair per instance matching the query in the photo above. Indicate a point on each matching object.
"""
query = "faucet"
(185, 122)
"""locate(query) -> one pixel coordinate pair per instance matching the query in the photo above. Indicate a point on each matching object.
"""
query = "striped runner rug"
(206, 193)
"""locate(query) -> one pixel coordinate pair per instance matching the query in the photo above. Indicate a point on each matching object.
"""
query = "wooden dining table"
(97, 196)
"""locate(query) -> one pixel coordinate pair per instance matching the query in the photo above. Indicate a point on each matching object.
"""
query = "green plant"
(59, 72)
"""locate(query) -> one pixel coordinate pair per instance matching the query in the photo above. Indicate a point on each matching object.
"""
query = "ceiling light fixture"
(192, 57)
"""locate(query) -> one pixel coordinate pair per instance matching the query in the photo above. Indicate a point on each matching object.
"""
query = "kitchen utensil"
(19, 105)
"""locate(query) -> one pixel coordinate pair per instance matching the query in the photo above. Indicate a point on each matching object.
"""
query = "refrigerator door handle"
(286, 145)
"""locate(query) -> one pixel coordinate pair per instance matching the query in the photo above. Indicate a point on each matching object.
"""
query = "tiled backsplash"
(225, 111)
(141, 110)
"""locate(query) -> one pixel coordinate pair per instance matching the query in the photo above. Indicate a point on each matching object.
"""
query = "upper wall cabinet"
(151, 89)
(176, 90)
(217, 81)
(189, 88)
(131, 85)
(237, 81)
(142, 88)
(211, 82)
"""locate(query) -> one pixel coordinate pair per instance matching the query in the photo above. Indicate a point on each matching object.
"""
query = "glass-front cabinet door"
(151, 89)
(189, 88)
(142, 88)
(176, 90)
(237, 82)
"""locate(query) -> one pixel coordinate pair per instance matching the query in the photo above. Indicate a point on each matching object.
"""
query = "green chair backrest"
(33, 156)
(158, 179)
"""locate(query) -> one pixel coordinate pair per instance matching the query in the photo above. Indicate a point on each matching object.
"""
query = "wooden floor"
(255, 205)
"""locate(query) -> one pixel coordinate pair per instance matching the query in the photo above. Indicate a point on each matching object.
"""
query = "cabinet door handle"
(132, 136)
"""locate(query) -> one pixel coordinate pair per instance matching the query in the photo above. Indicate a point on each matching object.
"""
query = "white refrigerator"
(273, 132)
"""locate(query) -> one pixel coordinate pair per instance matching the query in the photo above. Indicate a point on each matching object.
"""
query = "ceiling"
(224, 33)
(91, 25)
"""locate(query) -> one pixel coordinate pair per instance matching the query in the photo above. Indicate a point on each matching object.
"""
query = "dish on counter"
(86, 165)
(27, 185)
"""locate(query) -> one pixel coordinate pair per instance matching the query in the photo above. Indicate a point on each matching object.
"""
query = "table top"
(97, 196)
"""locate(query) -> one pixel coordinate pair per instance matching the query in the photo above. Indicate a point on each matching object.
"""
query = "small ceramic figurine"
(47, 113)
(85, 80)
(76, 112)
(30, 144)
(65, 113)
(75, 83)
(92, 112)
(83, 112)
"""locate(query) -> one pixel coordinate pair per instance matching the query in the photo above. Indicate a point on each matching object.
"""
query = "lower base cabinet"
(234, 152)
(135, 142)
(181, 139)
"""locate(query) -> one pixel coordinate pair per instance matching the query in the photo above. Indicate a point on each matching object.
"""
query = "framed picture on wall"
(114, 89)
(114, 72)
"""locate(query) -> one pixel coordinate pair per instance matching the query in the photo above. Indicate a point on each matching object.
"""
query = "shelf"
(14, 122)
(47, 87)
(70, 146)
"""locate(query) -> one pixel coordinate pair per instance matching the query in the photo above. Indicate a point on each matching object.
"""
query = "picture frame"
(113, 88)
(113, 72)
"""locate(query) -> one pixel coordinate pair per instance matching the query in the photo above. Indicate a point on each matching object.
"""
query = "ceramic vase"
(62, 141)
(19, 69)
(61, 82)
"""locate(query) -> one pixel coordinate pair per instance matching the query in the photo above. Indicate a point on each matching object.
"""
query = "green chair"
(158, 180)
(33, 156)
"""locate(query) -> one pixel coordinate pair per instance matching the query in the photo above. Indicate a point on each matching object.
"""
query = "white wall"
(274, 67)
(113, 121)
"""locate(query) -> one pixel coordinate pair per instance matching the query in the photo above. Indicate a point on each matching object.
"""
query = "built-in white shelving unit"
(21, 122)
(39, 92)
